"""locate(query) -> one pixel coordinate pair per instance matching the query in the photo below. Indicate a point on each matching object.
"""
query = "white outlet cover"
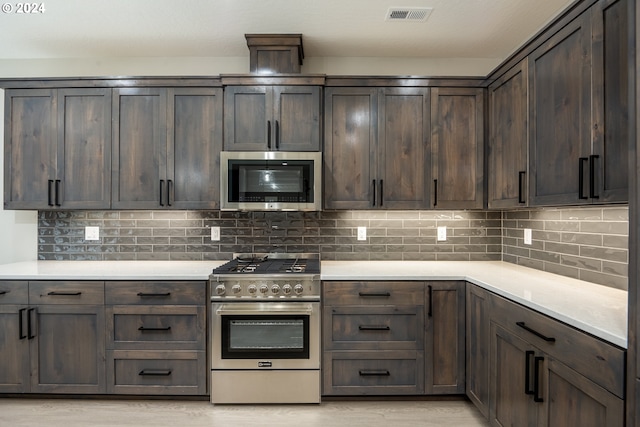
(527, 236)
(92, 233)
(362, 233)
(215, 234)
(442, 233)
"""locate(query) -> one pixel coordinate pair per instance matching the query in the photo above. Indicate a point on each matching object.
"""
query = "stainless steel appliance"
(265, 329)
(271, 180)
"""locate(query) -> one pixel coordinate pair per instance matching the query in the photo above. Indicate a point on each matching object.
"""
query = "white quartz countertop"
(598, 310)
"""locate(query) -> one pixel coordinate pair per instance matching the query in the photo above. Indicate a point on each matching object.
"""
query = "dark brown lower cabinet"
(477, 347)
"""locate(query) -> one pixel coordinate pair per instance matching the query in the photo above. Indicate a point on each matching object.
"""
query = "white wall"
(18, 229)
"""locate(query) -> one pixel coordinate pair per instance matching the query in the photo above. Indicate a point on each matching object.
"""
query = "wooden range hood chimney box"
(275, 53)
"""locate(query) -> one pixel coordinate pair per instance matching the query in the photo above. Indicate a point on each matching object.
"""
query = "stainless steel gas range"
(265, 329)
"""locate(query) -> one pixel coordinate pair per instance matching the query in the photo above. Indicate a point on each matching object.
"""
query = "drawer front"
(597, 360)
(369, 373)
(156, 327)
(14, 292)
(372, 293)
(155, 293)
(68, 293)
(157, 372)
(375, 328)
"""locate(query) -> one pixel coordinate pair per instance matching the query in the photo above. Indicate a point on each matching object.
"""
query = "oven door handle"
(264, 308)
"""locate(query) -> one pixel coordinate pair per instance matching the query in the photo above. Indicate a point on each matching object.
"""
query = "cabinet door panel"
(351, 144)
(194, 145)
(478, 344)
(14, 350)
(404, 148)
(84, 148)
(560, 91)
(139, 147)
(246, 111)
(297, 112)
(30, 148)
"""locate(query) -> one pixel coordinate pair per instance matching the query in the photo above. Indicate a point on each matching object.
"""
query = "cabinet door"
(296, 121)
(14, 349)
(478, 344)
(139, 148)
(512, 403)
(611, 99)
(351, 141)
(445, 326)
(84, 148)
(457, 141)
(68, 350)
(560, 112)
(573, 400)
(29, 148)
(404, 156)
(247, 118)
(194, 145)
(508, 139)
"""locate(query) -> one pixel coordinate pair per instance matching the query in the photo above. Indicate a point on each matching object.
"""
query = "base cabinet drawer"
(373, 373)
(157, 372)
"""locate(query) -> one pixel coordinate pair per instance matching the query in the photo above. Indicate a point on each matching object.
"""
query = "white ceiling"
(216, 28)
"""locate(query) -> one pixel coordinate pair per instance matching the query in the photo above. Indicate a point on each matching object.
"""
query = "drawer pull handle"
(536, 333)
(4, 292)
(375, 294)
(64, 294)
(374, 328)
(144, 329)
(374, 373)
(155, 372)
(158, 294)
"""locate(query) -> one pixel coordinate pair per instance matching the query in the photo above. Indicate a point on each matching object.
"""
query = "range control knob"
(298, 289)
(287, 289)
(275, 289)
(221, 290)
(236, 289)
(252, 289)
(264, 289)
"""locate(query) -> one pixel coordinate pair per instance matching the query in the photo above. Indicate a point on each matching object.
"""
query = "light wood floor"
(15, 412)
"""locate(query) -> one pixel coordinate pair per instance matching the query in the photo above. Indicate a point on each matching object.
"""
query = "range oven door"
(265, 335)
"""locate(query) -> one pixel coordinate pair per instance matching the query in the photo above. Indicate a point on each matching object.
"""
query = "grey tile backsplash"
(589, 243)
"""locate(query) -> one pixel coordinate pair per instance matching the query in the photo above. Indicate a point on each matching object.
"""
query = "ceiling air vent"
(408, 14)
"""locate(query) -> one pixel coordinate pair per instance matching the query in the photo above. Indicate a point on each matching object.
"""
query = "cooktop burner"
(271, 264)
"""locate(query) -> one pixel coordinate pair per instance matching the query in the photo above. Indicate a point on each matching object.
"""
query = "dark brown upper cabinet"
(272, 118)
(166, 146)
(507, 173)
(457, 141)
(377, 151)
(57, 149)
(579, 110)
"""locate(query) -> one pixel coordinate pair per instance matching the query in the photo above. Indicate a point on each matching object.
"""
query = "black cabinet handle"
(155, 372)
(435, 192)
(521, 176)
(144, 329)
(169, 192)
(374, 372)
(536, 333)
(375, 294)
(57, 197)
(4, 292)
(374, 192)
(64, 294)
(277, 135)
(159, 294)
(527, 372)
(162, 192)
(581, 178)
(374, 328)
(269, 134)
(50, 192)
(21, 323)
(31, 325)
(592, 176)
(536, 380)
(430, 310)
(381, 192)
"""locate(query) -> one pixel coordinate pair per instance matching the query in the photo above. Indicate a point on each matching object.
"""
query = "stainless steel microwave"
(271, 180)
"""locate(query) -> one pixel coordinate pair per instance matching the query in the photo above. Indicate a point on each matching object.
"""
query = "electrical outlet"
(527, 236)
(362, 233)
(442, 233)
(92, 233)
(215, 234)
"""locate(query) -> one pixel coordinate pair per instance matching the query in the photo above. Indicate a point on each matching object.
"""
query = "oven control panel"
(294, 288)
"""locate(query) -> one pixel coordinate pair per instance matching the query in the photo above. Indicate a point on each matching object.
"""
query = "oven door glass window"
(265, 336)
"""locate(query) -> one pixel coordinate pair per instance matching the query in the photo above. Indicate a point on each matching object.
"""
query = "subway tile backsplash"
(586, 243)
